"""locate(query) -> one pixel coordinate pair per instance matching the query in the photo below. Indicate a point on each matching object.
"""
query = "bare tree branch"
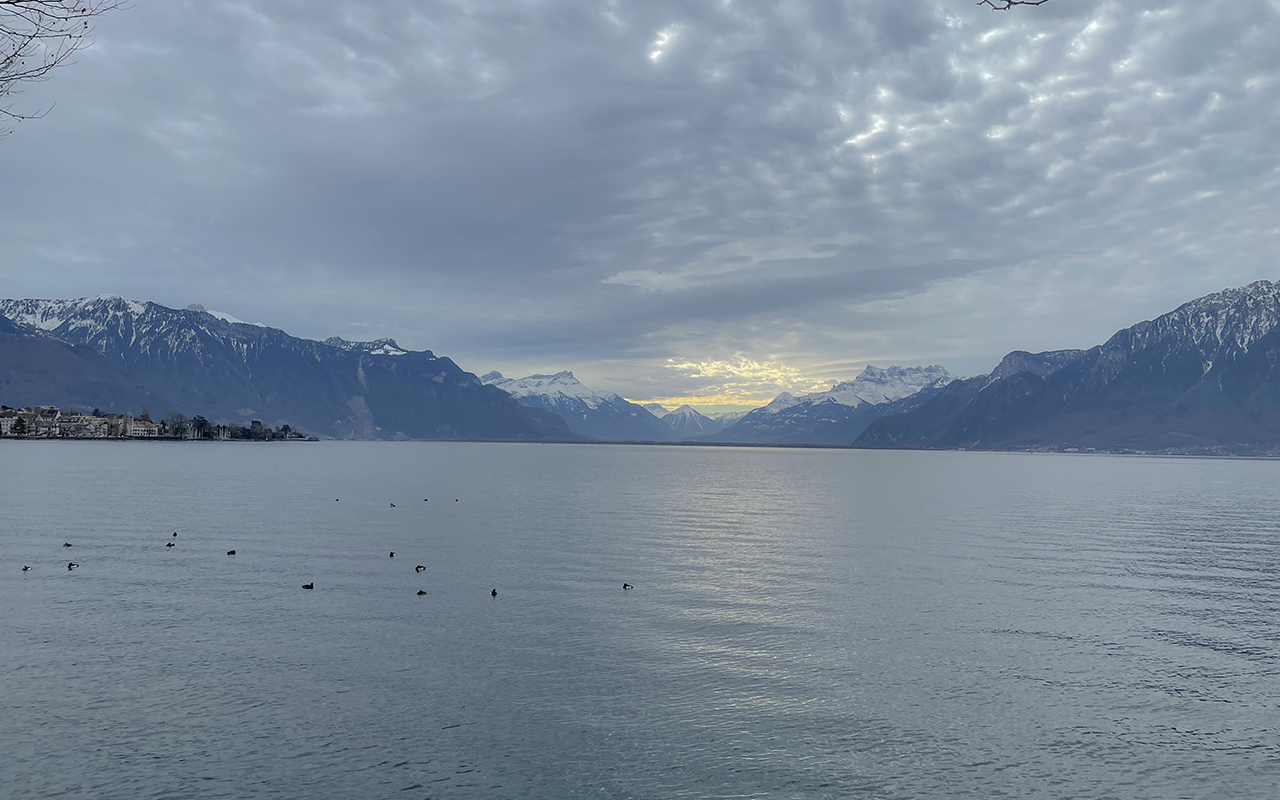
(1005, 5)
(37, 37)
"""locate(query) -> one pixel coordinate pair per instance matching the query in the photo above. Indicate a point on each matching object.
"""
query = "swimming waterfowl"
(66, 544)
(419, 568)
(175, 534)
(627, 586)
(25, 568)
(231, 552)
(392, 554)
(308, 585)
(168, 544)
(71, 565)
(421, 593)
(494, 592)
(393, 505)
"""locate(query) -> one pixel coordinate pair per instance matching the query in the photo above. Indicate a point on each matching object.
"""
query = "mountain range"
(120, 355)
(1204, 378)
(838, 415)
(598, 415)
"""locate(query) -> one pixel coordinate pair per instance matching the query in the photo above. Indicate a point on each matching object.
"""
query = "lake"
(803, 623)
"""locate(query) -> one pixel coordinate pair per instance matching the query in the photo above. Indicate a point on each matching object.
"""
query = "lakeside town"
(51, 422)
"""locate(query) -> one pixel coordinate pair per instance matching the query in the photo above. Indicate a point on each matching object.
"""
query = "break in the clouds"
(641, 191)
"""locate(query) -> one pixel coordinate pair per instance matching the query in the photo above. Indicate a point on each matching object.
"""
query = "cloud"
(617, 187)
(740, 381)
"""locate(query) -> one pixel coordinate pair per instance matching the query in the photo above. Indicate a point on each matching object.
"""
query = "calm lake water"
(804, 623)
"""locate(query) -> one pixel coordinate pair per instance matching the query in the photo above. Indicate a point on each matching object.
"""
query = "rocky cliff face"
(1200, 379)
(236, 372)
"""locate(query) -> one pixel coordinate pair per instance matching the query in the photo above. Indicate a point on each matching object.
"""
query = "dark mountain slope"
(37, 369)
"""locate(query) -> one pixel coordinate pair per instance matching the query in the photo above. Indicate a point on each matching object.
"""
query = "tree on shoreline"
(199, 427)
(37, 37)
(175, 425)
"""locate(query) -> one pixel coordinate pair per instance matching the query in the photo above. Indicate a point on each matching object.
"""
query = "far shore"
(748, 445)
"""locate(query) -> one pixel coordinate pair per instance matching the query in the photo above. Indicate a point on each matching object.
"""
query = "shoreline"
(766, 445)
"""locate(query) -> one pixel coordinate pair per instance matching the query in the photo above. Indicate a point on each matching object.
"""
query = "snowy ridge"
(875, 385)
(836, 416)
(377, 347)
(560, 385)
(48, 315)
(1232, 319)
(117, 327)
(193, 361)
(1220, 326)
(600, 415)
(780, 403)
(1216, 329)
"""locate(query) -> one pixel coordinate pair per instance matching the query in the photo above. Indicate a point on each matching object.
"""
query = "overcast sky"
(709, 199)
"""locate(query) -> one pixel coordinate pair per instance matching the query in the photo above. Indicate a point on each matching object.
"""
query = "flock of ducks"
(392, 554)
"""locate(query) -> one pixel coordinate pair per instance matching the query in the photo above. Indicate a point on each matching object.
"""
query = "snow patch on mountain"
(656, 409)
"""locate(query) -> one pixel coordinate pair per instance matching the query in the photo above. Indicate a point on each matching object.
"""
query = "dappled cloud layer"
(674, 199)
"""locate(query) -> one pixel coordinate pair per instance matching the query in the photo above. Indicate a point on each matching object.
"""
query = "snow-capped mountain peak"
(878, 385)
(657, 409)
(688, 421)
(783, 401)
(602, 415)
(688, 412)
(560, 384)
